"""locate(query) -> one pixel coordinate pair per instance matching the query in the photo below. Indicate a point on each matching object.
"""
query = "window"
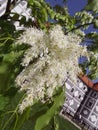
(94, 95)
(85, 88)
(81, 85)
(72, 89)
(79, 96)
(90, 103)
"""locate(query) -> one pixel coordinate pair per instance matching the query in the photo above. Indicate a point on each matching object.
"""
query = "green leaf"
(92, 5)
(63, 124)
(96, 75)
(44, 12)
(38, 109)
(23, 20)
(44, 120)
(95, 23)
(26, 121)
(3, 102)
(21, 119)
(15, 17)
(7, 26)
(37, 3)
(28, 125)
(11, 57)
(3, 68)
(11, 92)
(9, 116)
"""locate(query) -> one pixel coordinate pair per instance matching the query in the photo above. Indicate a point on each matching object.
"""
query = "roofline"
(95, 87)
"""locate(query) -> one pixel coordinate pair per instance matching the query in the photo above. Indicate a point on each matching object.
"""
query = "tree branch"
(73, 29)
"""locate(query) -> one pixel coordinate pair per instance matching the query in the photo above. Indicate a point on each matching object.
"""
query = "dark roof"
(95, 87)
(88, 82)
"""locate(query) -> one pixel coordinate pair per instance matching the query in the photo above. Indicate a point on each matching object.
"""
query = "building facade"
(89, 109)
(82, 102)
(74, 96)
(19, 8)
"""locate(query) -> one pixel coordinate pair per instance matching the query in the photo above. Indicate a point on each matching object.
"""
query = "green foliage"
(6, 27)
(93, 68)
(9, 115)
(63, 124)
(10, 55)
(15, 17)
(92, 6)
(38, 12)
(93, 37)
(96, 22)
(56, 15)
(20, 119)
(3, 102)
(9, 66)
(44, 120)
(40, 115)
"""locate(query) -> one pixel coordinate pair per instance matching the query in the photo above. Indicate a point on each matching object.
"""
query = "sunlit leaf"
(44, 120)
(63, 124)
(92, 5)
(96, 23)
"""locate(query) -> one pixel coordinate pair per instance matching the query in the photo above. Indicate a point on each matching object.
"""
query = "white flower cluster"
(84, 17)
(52, 57)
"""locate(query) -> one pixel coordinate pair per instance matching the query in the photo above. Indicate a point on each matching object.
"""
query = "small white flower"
(84, 17)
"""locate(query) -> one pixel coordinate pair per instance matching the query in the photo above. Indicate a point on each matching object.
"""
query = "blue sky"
(73, 5)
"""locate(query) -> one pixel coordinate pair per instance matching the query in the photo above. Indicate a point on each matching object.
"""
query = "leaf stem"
(14, 112)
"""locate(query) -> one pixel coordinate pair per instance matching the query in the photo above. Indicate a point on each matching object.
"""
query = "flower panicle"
(54, 57)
